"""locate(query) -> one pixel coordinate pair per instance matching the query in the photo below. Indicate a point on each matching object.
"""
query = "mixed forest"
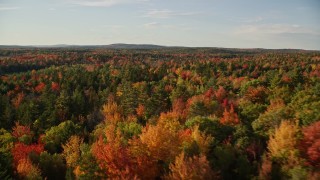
(159, 113)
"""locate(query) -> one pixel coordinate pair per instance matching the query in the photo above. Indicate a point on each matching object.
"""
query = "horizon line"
(149, 44)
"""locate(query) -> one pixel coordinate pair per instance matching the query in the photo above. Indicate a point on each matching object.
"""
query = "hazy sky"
(216, 23)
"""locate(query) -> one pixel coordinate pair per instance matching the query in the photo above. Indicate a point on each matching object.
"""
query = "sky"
(293, 24)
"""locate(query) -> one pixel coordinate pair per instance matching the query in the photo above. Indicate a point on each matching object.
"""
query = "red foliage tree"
(310, 144)
(220, 94)
(113, 158)
(55, 86)
(40, 87)
(21, 151)
(209, 93)
(179, 107)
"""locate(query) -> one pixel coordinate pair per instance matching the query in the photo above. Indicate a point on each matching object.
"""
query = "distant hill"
(134, 46)
(111, 46)
(152, 47)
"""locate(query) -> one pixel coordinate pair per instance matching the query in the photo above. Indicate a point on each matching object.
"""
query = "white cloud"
(114, 26)
(103, 3)
(3, 8)
(174, 27)
(165, 13)
(151, 25)
(247, 20)
(274, 29)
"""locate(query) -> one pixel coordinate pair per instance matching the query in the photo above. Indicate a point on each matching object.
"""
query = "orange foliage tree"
(112, 111)
(140, 110)
(256, 94)
(20, 130)
(113, 157)
(17, 101)
(230, 117)
(26, 170)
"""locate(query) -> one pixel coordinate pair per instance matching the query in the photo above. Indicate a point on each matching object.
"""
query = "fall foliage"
(191, 168)
(310, 144)
(171, 113)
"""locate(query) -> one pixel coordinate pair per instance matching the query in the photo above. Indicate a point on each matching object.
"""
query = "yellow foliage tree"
(161, 142)
(282, 145)
(202, 139)
(71, 151)
(170, 121)
(189, 168)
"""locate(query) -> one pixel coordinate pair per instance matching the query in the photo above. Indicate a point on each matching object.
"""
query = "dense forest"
(160, 113)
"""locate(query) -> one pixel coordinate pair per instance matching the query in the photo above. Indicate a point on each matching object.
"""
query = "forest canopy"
(159, 113)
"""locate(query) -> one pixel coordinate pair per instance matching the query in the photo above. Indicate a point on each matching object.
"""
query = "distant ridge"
(110, 46)
(152, 46)
(135, 46)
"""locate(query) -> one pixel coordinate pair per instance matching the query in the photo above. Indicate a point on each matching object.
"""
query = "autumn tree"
(195, 142)
(282, 147)
(271, 118)
(196, 167)
(40, 87)
(140, 110)
(220, 93)
(27, 170)
(113, 157)
(230, 117)
(18, 99)
(22, 151)
(256, 94)
(71, 151)
(162, 142)
(310, 144)
(282, 144)
(21, 132)
(55, 87)
(112, 111)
